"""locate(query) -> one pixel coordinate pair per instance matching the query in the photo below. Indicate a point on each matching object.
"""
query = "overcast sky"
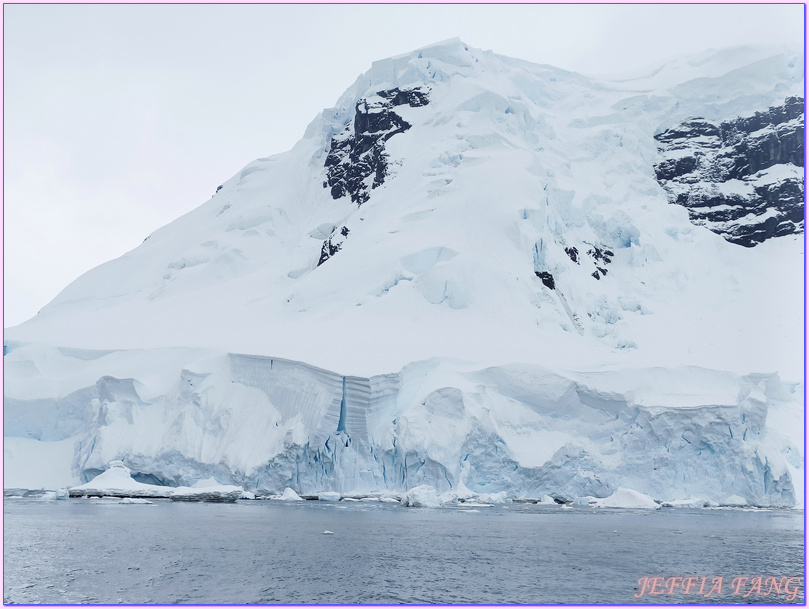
(118, 119)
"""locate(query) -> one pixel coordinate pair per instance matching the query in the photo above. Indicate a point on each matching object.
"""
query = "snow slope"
(457, 219)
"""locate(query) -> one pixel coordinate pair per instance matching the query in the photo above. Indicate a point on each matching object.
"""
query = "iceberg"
(628, 499)
(421, 496)
(218, 494)
(117, 482)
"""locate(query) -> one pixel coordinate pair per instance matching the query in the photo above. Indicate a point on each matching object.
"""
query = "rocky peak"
(357, 161)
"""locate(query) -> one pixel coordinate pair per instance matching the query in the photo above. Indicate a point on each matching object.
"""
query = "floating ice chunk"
(627, 498)
(219, 494)
(290, 495)
(247, 495)
(117, 482)
(135, 500)
(586, 501)
(685, 503)
(421, 496)
(546, 499)
(329, 496)
(460, 492)
(328, 532)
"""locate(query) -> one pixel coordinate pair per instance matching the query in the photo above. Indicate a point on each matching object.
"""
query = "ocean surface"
(103, 552)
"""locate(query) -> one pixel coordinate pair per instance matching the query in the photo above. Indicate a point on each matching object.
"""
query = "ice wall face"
(268, 424)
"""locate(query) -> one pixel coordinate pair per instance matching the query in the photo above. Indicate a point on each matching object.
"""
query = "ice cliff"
(267, 424)
(472, 270)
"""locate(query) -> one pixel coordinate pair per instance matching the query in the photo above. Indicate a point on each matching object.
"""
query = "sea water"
(102, 551)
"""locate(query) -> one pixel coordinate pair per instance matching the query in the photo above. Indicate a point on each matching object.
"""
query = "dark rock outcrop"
(357, 161)
(742, 179)
(333, 244)
(546, 278)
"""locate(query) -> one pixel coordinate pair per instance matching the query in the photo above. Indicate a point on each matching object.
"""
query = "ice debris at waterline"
(468, 274)
(627, 498)
(117, 482)
(290, 495)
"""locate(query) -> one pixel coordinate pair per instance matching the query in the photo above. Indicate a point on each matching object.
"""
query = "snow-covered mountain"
(468, 270)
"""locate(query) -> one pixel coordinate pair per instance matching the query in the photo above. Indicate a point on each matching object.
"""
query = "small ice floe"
(117, 482)
(217, 494)
(350, 499)
(421, 496)
(459, 494)
(290, 495)
(327, 532)
(329, 496)
(136, 500)
(628, 499)
(247, 495)
(684, 503)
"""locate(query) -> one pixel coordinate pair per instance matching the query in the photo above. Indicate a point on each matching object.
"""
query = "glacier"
(466, 275)
(268, 424)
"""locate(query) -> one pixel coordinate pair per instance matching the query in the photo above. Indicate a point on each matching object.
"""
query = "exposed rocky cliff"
(357, 161)
(742, 179)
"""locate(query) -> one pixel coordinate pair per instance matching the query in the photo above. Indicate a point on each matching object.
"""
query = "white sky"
(120, 118)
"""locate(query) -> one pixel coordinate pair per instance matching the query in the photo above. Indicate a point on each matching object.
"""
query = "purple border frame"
(640, 3)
